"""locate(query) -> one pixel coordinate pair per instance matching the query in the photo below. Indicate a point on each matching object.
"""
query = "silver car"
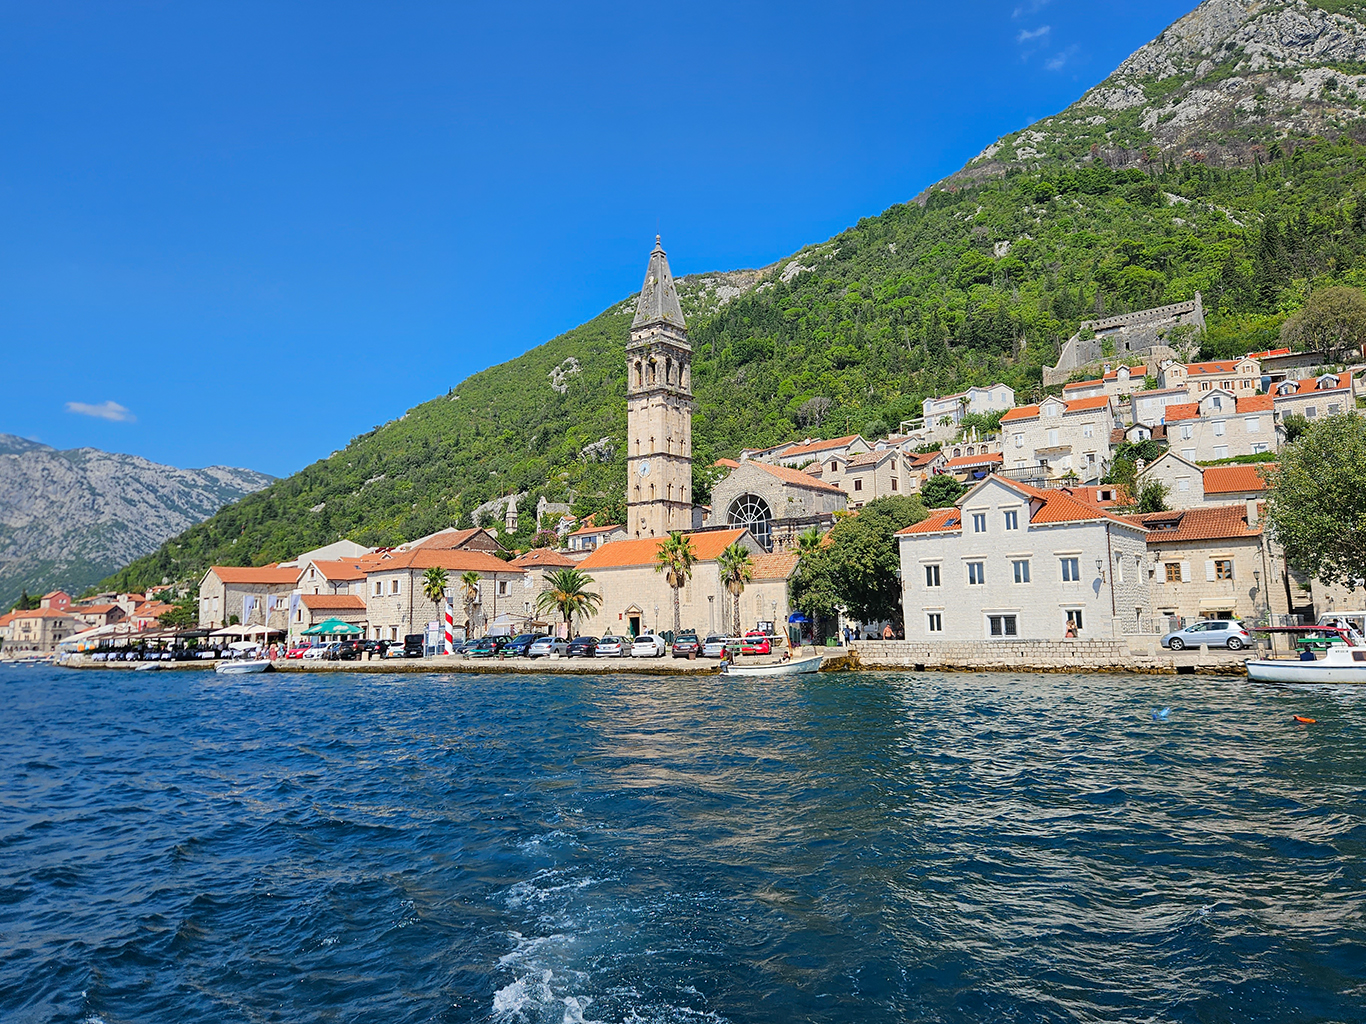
(714, 646)
(1213, 632)
(613, 647)
(548, 645)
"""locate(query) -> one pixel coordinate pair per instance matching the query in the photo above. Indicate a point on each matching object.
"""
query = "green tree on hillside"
(1333, 321)
(941, 491)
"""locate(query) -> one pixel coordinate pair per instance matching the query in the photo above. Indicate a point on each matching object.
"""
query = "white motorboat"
(1341, 659)
(242, 667)
(796, 667)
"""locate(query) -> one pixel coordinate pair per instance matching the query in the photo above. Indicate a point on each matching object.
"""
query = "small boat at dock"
(795, 667)
(242, 667)
(1328, 654)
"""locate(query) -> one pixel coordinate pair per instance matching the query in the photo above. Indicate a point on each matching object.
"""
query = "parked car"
(322, 652)
(613, 647)
(756, 642)
(298, 650)
(518, 644)
(547, 645)
(647, 645)
(414, 645)
(351, 650)
(714, 646)
(1214, 632)
(686, 643)
(583, 647)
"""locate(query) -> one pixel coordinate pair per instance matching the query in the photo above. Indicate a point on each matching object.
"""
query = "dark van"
(413, 645)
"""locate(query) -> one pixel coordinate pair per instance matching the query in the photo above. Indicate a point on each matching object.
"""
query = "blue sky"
(242, 233)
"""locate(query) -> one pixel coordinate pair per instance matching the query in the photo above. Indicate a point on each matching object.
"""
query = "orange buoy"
(1306, 721)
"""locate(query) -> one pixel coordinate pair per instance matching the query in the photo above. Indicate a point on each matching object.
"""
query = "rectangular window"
(1052, 437)
(1087, 430)
(1257, 449)
(1310, 412)
(502, 588)
(931, 575)
(1334, 409)
(1223, 568)
(1019, 440)
(393, 632)
(1253, 424)
(1071, 570)
(379, 588)
(393, 586)
(1074, 619)
(1188, 454)
(1221, 451)
(858, 485)
(1002, 625)
(1205, 385)
(977, 574)
(1173, 572)
(893, 483)
(979, 522)
(1012, 519)
(1219, 429)
(1186, 431)
(1021, 570)
(934, 622)
(1183, 483)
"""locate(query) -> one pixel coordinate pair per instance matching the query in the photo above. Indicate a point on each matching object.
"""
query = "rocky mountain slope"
(1220, 86)
(1148, 189)
(70, 518)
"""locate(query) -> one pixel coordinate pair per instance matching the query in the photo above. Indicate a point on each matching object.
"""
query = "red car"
(297, 651)
(756, 643)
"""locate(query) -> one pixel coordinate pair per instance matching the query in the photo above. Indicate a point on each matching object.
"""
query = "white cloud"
(111, 411)
(1032, 7)
(1026, 35)
(1056, 62)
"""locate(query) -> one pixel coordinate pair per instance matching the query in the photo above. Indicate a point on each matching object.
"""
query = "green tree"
(184, 611)
(736, 568)
(1152, 497)
(675, 558)
(469, 590)
(568, 594)
(434, 583)
(809, 542)
(1333, 321)
(865, 560)
(1293, 427)
(941, 491)
(26, 603)
(1317, 500)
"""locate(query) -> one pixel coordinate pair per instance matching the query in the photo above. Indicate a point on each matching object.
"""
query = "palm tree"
(469, 588)
(675, 558)
(568, 594)
(809, 541)
(434, 582)
(736, 568)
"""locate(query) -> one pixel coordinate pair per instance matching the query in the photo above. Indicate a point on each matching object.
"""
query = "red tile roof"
(965, 461)
(1083, 384)
(940, 520)
(1256, 403)
(543, 558)
(1219, 366)
(1181, 411)
(446, 539)
(871, 458)
(1025, 412)
(795, 476)
(777, 565)
(1268, 354)
(922, 459)
(1219, 522)
(641, 551)
(344, 569)
(1310, 385)
(1134, 371)
(265, 575)
(95, 609)
(1083, 404)
(40, 613)
(583, 531)
(820, 446)
(1021, 412)
(452, 560)
(7, 618)
(1236, 479)
(728, 463)
(332, 602)
(1059, 506)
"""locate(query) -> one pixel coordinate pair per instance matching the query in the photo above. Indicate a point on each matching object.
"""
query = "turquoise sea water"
(182, 847)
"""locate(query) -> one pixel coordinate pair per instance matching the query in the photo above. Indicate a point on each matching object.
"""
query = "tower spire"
(658, 297)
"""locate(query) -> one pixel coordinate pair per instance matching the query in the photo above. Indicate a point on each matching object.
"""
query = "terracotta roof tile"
(543, 558)
(1219, 366)
(95, 609)
(450, 559)
(1256, 403)
(1083, 384)
(40, 613)
(265, 575)
(820, 446)
(583, 531)
(332, 602)
(1268, 354)
(728, 463)
(1236, 479)
(920, 460)
(1310, 385)
(641, 551)
(1220, 522)
(776, 565)
(7, 618)
(871, 458)
(343, 569)
(795, 476)
(1084, 404)
(1181, 411)
(1134, 371)
(940, 520)
(1020, 412)
(964, 461)
(446, 539)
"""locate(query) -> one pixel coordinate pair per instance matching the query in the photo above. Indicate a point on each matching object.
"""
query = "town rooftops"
(264, 575)
(1182, 411)
(1078, 384)
(1216, 366)
(707, 545)
(1270, 354)
(443, 539)
(40, 613)
(450, 559)
(871, 458)
(1046, 507)
(1256, 403)
(1312, 385)
(1219, 522)
(940, 520)
(795, 476)
(332, 602)
(1236, 479)
(344, 569)
(1134, 371)
(1029, 412)
(776, 565)
(584, 531)
(543, 558)
(95, 609)
(922, 459)
(810, 447)
(968, 461)
(727, 463)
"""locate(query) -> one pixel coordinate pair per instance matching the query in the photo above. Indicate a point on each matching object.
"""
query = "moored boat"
(246, 666)
(1339, 659)
(796, 667)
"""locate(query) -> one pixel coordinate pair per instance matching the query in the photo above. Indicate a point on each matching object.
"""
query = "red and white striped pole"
(450, 628)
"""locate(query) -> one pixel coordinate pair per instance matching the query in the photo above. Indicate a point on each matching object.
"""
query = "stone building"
(343, 576)
(537, 563)
(870, 475)
(311, 609)
(1011, 561)
(658, 408)
(1314, 398)
(91, 615)
(838, 450)
(1238, 376)
(774, 503)
(590, 537)
(979, 400)
(57, 600)
(1146, 334)
(246, 592)
(39, 630)
(1116, 385)
(1150, 407)
(637, 599)
(474, 539)
(396, 605)
(1192, 486)
(1063, 438)
(1221, 426)
(1214, 562)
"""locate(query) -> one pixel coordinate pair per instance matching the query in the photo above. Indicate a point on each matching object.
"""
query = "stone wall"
(1140, 656)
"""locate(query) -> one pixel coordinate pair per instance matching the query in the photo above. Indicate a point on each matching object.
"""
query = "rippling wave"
(182, 847)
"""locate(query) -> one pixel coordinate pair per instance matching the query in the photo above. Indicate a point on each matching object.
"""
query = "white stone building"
(1063, 438)
(1222, 425)
(253, 594)
(982, 401)
(1328, 395)
(1239, 376)
(396, 605)
(1012, 561)
(1192, 486)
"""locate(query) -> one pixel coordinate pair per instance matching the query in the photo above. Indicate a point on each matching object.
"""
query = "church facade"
(658, 409)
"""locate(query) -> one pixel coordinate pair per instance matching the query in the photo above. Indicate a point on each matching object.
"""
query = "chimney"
(1251, 512)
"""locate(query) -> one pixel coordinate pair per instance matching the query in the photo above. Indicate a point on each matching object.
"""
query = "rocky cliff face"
(68, 519)
(1220, 86)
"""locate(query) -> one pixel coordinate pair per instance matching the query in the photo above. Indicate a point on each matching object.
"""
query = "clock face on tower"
(645, 467)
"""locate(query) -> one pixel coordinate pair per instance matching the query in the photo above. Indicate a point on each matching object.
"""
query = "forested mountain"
(68, 518)
(1149, 189)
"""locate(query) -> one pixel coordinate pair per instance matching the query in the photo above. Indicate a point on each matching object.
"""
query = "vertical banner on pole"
(450, 628)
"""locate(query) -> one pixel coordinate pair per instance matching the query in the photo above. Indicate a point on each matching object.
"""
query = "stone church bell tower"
(658, 409)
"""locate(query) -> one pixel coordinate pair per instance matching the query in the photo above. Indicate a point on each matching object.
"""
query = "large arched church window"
(752, 512)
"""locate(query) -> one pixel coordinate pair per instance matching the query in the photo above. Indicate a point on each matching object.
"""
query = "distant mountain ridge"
(1220, 158)
(70, 518)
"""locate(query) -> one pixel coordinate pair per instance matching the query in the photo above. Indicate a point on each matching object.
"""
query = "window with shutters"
(893, 483)
(1253, 424)
(1173, 572)
(1183, 483)
(1053, 437)
(1186, 431)
(858, 485)
(1188, 454)
(1219, 429)
(1088, 430)
(1221, 451)
(1019, 440)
